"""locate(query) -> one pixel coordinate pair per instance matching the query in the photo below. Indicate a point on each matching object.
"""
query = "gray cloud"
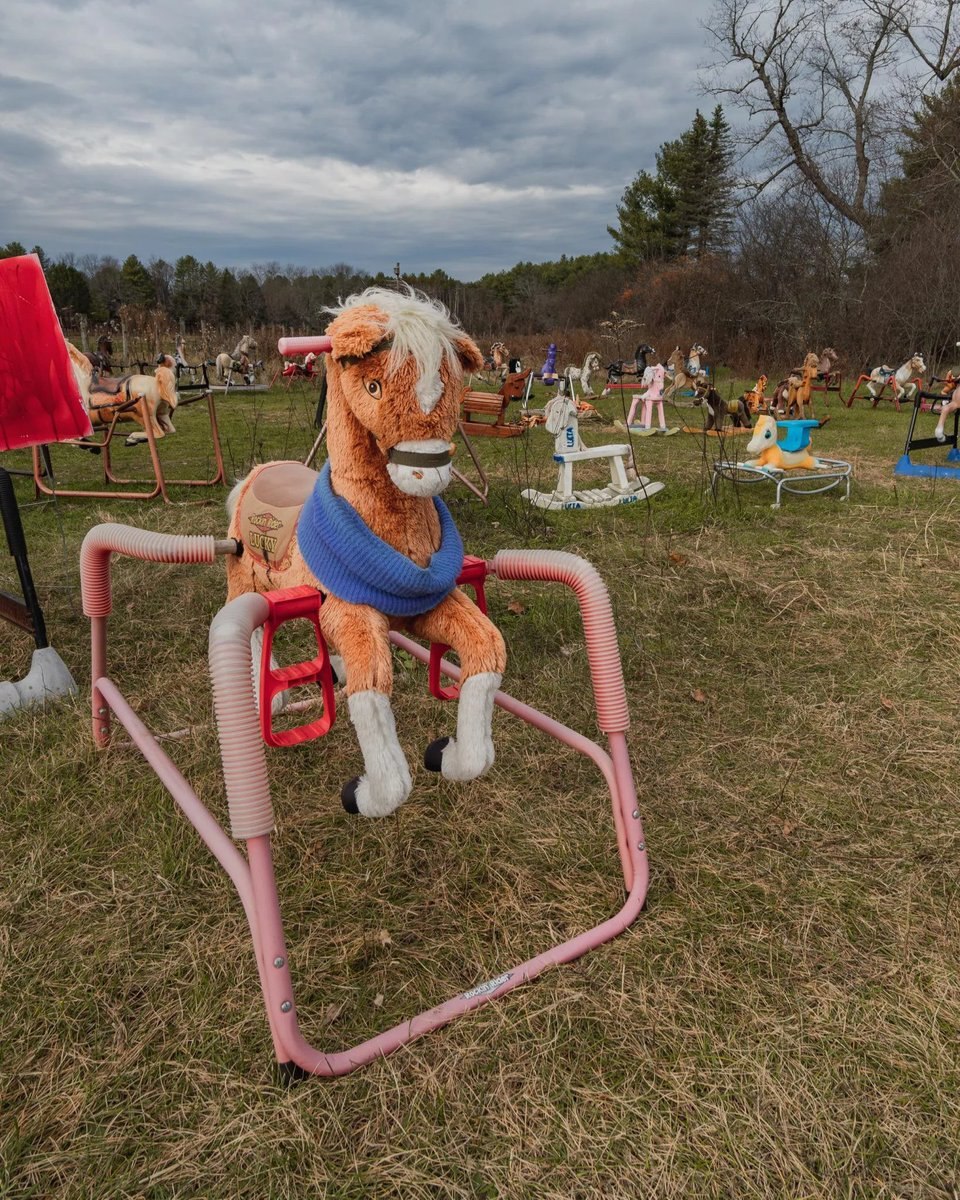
(466, 137)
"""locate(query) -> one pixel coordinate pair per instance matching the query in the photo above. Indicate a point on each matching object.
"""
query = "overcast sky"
(461, 135)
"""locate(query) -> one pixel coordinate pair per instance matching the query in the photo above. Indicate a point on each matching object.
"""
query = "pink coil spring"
(603, 651)
(104, 540)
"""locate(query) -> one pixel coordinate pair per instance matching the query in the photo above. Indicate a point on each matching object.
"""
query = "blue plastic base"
(928, 470)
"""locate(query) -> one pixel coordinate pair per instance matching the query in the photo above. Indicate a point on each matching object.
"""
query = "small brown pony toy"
(370, 533)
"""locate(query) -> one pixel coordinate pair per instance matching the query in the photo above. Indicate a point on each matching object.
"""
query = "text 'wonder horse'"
(371, 533)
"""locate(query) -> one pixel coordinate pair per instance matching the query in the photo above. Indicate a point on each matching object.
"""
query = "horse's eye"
(373, 387)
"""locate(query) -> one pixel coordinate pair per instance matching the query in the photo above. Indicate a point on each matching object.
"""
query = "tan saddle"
(270, 509)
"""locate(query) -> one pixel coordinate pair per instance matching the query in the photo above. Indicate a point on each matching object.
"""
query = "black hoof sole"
(433, 755)
(348, 796)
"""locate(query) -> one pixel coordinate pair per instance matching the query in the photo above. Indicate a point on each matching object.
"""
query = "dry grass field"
(781, 1021)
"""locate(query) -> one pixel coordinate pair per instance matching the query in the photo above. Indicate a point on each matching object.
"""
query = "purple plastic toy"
(548, 372)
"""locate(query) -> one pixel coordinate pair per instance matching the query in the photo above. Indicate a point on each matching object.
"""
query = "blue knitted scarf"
(351, 562)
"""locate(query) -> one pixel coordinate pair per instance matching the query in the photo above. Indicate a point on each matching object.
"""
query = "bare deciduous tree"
(824, 83)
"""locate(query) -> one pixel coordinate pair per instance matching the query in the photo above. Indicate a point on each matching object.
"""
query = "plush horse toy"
(370, 533)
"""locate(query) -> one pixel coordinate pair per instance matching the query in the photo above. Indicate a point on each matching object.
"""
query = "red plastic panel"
(39, 398)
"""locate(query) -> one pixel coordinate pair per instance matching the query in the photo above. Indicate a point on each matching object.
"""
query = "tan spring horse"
(157, 394)
(394, 379)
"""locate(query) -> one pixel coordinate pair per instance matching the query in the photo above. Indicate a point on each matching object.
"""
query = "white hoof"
(470, 754)
(385, 783)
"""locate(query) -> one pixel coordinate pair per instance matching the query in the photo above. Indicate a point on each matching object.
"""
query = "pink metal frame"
(253, 875)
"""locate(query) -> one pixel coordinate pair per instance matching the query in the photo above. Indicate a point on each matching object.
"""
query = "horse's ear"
(469, 354)
(355, 332)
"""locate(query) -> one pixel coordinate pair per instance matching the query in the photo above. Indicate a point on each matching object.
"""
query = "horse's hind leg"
(360, 634)
(478, 643)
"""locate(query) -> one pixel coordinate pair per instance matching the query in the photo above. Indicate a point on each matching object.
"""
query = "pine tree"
(685, 207)
(137, 284)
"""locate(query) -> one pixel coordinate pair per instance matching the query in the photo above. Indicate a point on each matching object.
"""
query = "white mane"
(420, 328)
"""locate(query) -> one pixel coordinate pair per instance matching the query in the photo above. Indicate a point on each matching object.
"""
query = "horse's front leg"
(361, 635)
(483, 656)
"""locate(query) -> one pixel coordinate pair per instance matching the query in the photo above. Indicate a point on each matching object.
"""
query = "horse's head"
(917, 365)
(396, 379)
(558, 412)
(812, 361)
(696, 350)
(764, 435)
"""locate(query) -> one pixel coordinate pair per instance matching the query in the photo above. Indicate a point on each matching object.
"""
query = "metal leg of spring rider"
(247, 785)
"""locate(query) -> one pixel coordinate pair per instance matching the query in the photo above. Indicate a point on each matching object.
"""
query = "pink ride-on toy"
(242, 730)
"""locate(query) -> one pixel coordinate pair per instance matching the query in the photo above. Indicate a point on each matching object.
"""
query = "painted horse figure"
(617, 370)
(900, 380)
(370, 532)
(157, 393)
(495, 362)
(582, 374)
(238, 360)
(686, 371)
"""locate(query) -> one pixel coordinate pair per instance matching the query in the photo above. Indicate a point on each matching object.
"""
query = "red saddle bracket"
(292, 604)
(472, 575)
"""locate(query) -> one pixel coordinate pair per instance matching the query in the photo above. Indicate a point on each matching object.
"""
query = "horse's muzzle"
(421, 468)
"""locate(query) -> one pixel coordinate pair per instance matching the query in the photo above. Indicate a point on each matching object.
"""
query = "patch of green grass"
(782, 1020)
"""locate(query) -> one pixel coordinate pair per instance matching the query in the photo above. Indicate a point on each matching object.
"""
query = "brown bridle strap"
(351, 360)
(416, 458)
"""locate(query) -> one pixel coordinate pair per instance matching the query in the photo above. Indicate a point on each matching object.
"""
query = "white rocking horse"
(561, 421)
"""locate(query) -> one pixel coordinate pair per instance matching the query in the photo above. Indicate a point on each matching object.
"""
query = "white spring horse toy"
(561, 421)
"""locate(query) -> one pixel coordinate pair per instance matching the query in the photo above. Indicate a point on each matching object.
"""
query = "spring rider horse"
(372, 552)
(785, 461)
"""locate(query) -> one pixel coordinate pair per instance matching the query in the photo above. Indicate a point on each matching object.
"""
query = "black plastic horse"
(617, 370)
